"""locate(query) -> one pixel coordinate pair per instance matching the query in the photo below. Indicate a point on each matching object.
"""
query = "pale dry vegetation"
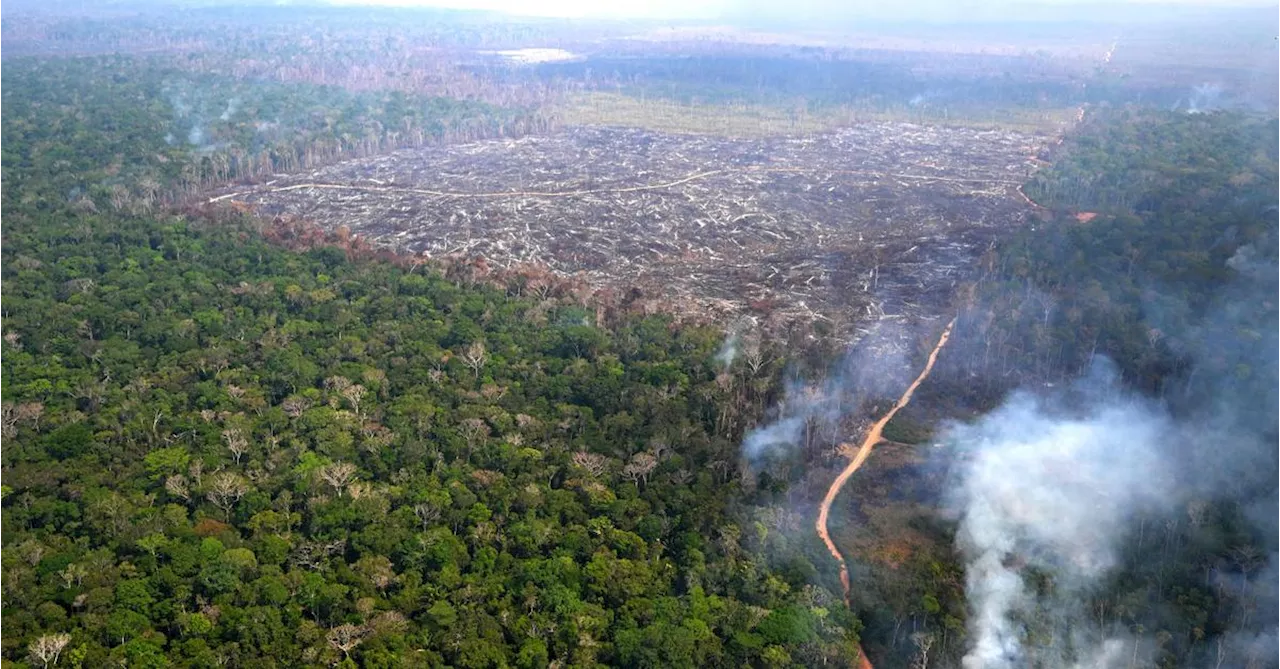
(667, 115)
(872, 221)
(744, 119)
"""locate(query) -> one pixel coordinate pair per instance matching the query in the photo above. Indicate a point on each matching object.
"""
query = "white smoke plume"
(1047, 490)
(233, 105)
(811, 413)
(1049, 493)
(923, 98)
(192, 114)
(728, 350)
(733, 341)
(777, 437)
(1204, 98)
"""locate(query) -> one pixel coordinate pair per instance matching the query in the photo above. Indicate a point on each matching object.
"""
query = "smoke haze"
(1052, 491)
(873, 368)
(829, 10)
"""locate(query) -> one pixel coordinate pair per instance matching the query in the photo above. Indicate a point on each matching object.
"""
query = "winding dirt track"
(873, 437)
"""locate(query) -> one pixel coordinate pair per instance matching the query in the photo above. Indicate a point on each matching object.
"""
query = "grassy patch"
(666, 115)
(904, 430)
(743, 119)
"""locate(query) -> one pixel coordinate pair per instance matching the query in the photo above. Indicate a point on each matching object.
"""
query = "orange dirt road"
(873, 437)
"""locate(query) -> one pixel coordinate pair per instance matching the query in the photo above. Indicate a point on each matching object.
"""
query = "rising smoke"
(812, 412)
(1050, 492)
(1203, 98)
(728, 350)
(194, 115)
(233, 105)
(733, 341)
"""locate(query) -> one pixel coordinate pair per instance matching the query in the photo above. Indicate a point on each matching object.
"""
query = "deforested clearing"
(882, 218)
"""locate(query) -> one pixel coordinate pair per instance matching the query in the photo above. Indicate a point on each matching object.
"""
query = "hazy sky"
(809, 9)
(572, 8)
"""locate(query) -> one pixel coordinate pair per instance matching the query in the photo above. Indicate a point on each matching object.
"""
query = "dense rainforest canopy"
(221, 451)
(1156, 220)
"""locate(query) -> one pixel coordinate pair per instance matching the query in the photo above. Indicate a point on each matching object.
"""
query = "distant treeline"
(915, 85)
(163, 132)
(1151, 216)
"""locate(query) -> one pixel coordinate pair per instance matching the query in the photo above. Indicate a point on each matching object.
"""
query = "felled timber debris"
(876, 221)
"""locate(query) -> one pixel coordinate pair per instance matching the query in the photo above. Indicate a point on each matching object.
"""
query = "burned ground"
(878, 220)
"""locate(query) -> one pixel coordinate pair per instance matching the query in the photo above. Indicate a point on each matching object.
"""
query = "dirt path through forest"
(873, 437)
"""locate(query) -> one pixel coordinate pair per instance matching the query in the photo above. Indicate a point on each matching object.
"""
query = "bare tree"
(8, 419)
(752, 353)
(294, 406)
(73, 573)
(540, 286)
(474, 429)
(338, 475)
(150, 188)
(641, 465)
(594, 463)
(360, 490)
(11, 414)
(427, 514)
(32, 551)
(196, 470)
(659, 447)
(1196, 510)
(526, 421)
(346, 637)
(236, 443)
(923, 642)
(337, 383)
(85, 203)
(1246, 556)
(354, 394)
(177, 486)
(47, 648)
(313, 554)
(476, 357)
(378, 570)
(225, 490)
(30, 412)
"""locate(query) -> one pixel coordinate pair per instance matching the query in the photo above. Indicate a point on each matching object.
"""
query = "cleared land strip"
(597, 191)
(872, 221)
